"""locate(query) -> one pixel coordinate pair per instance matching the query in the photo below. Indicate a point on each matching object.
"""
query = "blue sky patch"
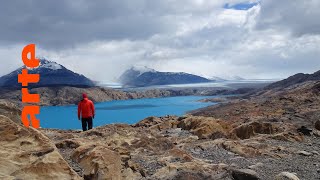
(240, 6)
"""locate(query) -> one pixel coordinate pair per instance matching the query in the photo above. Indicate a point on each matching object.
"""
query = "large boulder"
(149, 121)
(156, 144)
(25, 153)
(250, 129)
(317, 125)
(10, 110)
(158, 123)
(244, 174)
(304, 130)
(243, 149)
(205, 128)
(98, 162)
(286, 176)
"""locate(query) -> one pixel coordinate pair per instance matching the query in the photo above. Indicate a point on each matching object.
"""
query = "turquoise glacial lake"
(120, 111)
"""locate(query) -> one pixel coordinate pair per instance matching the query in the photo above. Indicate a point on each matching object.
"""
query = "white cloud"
(271, 40)
(295, 16)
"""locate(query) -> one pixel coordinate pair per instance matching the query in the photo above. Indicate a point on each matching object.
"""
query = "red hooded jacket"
(85, 108)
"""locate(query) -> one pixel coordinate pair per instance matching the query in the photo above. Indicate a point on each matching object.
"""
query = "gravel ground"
(66, 154)
(150, 166)
(305, 167)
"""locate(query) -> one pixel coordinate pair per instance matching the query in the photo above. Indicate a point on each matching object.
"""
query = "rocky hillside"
(66, 95)
(143, 76)
(51, 74)
(294, 80)
(299, 104)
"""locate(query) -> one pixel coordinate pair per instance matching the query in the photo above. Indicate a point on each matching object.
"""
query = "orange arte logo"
(29, 111)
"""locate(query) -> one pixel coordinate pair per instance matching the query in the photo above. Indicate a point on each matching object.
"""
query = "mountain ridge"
(138, 77)
(51, 74)
(294, 80)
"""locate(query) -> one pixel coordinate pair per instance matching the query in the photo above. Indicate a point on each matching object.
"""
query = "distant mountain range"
(51, 74)
(144, 76)
(54, 74)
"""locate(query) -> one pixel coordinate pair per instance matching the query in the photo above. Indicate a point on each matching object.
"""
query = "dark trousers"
(86, 122)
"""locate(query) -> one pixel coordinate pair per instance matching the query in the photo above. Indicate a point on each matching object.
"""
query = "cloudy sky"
(225, 38)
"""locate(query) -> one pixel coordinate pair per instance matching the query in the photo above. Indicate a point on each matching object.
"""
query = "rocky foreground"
(268, 135)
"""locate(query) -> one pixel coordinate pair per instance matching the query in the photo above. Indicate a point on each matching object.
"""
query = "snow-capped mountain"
(49, 65)
(144, 76)
(142, 69)
(51, 74)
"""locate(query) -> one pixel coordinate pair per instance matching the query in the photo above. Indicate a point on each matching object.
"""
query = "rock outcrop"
(205, 128)
(25, 153)
(244, 174)
(286, 176)
(98, 162)
(317, 125)
(250, 129)
(10, 110)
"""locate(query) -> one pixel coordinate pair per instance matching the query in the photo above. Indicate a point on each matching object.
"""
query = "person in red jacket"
(86, 112)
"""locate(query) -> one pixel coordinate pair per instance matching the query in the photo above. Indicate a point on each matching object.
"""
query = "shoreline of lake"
(122, 111)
